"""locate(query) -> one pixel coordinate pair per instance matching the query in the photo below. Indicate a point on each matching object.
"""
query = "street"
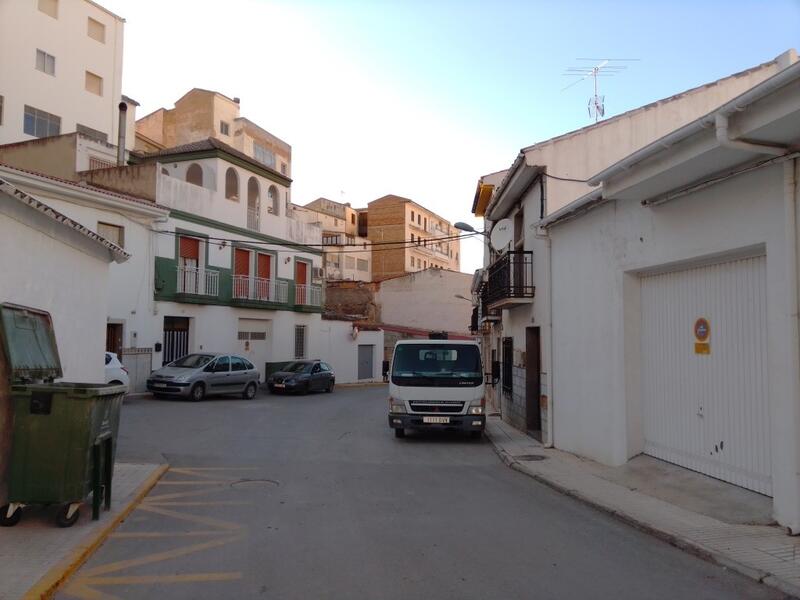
(313, 497)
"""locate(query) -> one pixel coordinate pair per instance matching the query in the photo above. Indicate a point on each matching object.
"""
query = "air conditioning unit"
(318, 273)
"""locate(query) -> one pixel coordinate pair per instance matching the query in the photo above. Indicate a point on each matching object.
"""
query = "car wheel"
(399, 432)
(330, 386)
(6, 521)
(250, 391)
(198, 392)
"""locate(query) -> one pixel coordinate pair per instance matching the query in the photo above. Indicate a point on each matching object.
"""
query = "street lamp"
(460, 297)
(467, 227)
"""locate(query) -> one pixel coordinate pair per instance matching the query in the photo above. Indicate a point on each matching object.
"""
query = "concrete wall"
(23, 30)
(339, 349)
(71, 285)
(596, 322)
(426, 300)
(135, 180)
(53, 155)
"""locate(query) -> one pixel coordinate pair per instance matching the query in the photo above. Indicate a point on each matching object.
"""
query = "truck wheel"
(250, 391)
(61, 516)
(399, 432)
(198, 392)
(6, 521)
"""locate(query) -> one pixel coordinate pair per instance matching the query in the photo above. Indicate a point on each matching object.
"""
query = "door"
(241, 273)
(704, 371)
(365, 366)
(114, 338)
(176, 338)
(264, 273)
(301, 282)
(188, 266)
(533, 370)
(254, 341)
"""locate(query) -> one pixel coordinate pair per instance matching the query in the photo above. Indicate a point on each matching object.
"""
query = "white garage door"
(708, 412)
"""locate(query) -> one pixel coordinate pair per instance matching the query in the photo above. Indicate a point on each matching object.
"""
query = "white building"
(354, 351)
(60, 70)
(675, 301)
(52, 252)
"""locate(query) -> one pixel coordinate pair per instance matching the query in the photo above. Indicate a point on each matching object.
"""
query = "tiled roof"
(118, 254)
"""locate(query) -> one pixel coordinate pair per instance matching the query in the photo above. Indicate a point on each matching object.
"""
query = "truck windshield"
(441, 365)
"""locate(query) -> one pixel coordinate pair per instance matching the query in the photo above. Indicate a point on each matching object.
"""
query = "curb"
(50, 581)
(672, 539)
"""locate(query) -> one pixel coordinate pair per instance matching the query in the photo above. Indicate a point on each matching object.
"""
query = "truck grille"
(439, 406)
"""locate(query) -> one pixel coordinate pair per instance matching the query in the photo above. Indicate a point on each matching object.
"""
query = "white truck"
(436, 384)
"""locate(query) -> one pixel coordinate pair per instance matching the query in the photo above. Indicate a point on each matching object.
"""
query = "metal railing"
(474, 324)
(253, 219)
(247, 287)
(511, 276)
(484, 312)
(308, 295)
(193, 280)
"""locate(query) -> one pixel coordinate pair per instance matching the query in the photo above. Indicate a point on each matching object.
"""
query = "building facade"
(60, 70)
(423, 238)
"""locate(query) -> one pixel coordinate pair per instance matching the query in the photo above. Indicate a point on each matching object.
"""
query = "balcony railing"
(511, 279)
(246, 287)
(308, 295)
(201, 282)
(253, 219)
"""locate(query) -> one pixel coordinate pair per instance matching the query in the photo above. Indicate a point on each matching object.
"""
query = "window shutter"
(190, 248)
(264, 266)
(241, 264)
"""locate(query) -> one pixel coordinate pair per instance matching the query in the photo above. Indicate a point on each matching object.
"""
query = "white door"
(706, 407)
(254, 341)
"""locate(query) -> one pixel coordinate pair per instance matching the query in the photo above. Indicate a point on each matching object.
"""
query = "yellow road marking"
(166, 534)
(209, 521)
(201, 482)
(78, 590)
(189, 494)
(201, 503)
(149, 579)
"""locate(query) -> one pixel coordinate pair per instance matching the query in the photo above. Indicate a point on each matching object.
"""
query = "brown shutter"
(241, 262)
(264, 266)
(190, 248)
(301, 273)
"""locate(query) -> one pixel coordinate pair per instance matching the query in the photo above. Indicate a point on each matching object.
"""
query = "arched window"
(194, 174)
(272, 195)
(231, 184)
(253, 204)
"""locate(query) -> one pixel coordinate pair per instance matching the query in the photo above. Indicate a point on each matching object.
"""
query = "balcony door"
(241, 273)
(301, 282)
(264, 273)
(188, 265)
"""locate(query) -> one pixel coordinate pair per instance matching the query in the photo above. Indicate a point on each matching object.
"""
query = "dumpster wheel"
(68, 514)
(9, 521)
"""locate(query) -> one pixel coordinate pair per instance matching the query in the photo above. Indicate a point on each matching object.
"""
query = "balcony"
(258, 289)
(253, 220)
(197, 282)
(510, 280)
(307, 295)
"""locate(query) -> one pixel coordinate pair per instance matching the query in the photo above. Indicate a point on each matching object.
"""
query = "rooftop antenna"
(604, 67)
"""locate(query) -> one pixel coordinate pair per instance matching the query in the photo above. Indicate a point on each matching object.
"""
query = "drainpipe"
(724, 139)
(543, 234)
(123, 123)
(790, 219)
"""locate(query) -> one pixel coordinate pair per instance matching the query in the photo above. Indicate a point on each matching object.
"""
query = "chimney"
(123, 123)
(237, 100)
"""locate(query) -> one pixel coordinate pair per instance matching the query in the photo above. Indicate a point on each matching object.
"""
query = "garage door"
(705, 407)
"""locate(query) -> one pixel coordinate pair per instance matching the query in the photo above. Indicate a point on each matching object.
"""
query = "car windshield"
(192, 361)
(436, 361)
(297, 367)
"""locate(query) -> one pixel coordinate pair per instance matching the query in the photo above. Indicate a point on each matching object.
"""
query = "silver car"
(196, 376)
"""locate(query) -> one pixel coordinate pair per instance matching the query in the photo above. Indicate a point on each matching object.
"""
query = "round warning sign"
(702, 329)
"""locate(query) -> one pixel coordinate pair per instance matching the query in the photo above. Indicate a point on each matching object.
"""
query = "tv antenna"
(604, 67)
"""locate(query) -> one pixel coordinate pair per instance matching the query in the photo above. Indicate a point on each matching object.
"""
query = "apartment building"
(423, 238)
(202, 114)
(347, 255)
(60, 70)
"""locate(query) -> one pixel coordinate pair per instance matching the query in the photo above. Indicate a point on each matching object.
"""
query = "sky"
(420, 99)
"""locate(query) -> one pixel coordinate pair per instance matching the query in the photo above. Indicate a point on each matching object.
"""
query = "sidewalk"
(38, 553)
(764, 553)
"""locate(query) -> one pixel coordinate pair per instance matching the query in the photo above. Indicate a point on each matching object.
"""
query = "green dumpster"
(64, 434)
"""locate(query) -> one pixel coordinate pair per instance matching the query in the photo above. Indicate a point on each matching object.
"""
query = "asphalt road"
(313, 497)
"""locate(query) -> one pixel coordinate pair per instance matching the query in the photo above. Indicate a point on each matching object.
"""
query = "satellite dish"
(502, 233)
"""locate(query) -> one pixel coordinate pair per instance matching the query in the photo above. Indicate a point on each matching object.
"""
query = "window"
(264, 155)
(363, 264)
(424, 264)
(223, 364)
(299, 341)
(283, 168)
(46, 63)
(325, 367)
(419, 220)
(412, 262)
(49, 7)
(412, 216)
(94, 83)
(272, 196)
(231, 184)
(1, 110)
(238, 364)
(40, 123)
(96, 30)
(92, 133)
(425, 223)
(224, 128)
(194, 174)
(353, 219)
(507, 372)
(412, 237)
(113, 233)
(456, 255)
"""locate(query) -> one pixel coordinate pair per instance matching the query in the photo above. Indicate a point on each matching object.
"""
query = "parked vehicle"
(436, 384)
(115, 371)
(196, 376)
(303, 376)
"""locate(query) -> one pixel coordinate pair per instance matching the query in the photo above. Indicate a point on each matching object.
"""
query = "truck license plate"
(435, 419)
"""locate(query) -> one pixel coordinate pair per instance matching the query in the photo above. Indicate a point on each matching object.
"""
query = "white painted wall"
(23, 30)
(337, 347)
(72, 286)
(597, 315)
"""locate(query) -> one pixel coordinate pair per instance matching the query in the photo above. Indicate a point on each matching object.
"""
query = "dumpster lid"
(29, 342)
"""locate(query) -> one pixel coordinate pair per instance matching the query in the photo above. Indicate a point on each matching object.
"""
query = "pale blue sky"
(421, 98)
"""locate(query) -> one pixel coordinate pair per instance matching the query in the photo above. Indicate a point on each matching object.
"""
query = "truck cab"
(436, 384)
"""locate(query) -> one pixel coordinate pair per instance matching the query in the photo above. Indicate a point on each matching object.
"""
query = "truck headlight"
(476, 410)
(398, 408)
